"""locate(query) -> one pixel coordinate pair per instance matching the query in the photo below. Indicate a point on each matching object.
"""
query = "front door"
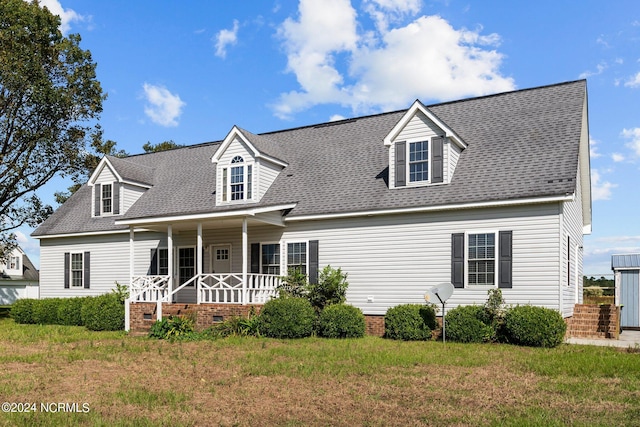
(221, 262)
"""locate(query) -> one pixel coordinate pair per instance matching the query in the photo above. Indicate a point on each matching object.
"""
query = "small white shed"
(626, 269)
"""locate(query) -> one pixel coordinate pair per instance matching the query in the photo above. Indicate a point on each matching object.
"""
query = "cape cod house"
(487, 192)
(18, 278)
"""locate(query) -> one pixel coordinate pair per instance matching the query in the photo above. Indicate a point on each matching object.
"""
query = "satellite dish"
(439, 293)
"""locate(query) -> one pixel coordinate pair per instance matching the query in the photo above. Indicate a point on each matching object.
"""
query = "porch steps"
(594, 321)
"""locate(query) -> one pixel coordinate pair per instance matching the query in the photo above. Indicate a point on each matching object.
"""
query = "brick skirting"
(594, 321)
(143, 314)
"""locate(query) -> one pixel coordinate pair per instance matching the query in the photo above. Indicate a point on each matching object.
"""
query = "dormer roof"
(259, 146)
(125, 171)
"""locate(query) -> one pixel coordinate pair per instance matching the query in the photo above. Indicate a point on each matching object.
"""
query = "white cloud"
(634, 136)
(593, 150)
(226, 38)
(617, 157)
(163, 107)
(336, 117)
(600, 190)
(386, 68)
(634, 81)
(67, 16)
(599, 70)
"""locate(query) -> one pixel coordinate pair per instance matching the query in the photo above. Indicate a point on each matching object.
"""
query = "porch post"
(244, 261)
(131, 256)
(198, 261)
(170, 258)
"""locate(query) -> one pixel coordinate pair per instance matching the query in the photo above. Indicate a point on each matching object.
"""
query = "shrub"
(235, 326)
(172, 327)
(410, 322)
(103, 313)
(341, 321)
(286, 318)
(534, 326)
(22, 310)
(463, 324)
(70, 311)
(45, 311)
(330, 289)
(294, 284)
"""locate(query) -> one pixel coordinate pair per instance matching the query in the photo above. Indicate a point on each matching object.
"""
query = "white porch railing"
(210, 288)
(149, 288)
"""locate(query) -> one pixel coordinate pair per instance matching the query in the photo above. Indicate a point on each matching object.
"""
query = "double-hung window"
(271, 258)
(481, 259)
(14, 263)
(77, 270)
(107, 198)
(237, 181)
(418, 161)
(297, 257)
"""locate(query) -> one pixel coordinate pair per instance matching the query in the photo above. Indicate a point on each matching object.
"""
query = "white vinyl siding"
(266, 172)
(233, 193)
(129, 195)
(572, 252)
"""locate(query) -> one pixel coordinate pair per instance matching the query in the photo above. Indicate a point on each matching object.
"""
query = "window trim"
(248, 180)
(496, 254)
(11, 260)
(103, 199)
(71, 270)
(409, 162)
(280, 250)
(285, 259)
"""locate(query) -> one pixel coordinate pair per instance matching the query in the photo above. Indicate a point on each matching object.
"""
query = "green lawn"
(106, 379)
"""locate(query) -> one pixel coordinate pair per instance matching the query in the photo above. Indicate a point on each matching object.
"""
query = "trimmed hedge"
(45, 311)
(288, 317)
(410, 322)
(70, 311)
(341, 321)
(464, 324)
(22, 310)
(103, 313)
(534, 326)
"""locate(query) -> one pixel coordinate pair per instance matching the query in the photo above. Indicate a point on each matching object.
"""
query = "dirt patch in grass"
(254, 382)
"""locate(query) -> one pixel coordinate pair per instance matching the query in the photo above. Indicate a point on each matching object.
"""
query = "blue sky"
(189, 71)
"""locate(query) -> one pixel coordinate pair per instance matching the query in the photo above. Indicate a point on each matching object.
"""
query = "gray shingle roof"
(521, 144)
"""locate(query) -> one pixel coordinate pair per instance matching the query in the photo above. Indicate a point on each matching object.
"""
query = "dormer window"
(14, 263)
(237, 181)
(107, 198)
(418, 161)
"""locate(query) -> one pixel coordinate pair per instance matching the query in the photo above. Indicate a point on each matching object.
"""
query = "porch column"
(170, 258)
(131, 255)
(198, 261)
(244, 260)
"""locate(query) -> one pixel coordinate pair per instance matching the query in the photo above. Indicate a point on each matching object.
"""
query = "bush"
(45, 311)
(463, 324)
(70, 311)
(294, 284)
(330, 289)
(410, 322)
(103, 313)
(286, 318)
(341, 321)
(22, 310)
(172, 327)
(534, 326)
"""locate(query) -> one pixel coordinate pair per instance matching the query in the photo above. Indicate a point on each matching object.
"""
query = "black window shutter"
(457, 260)
(87, 270)
(116, 198)
(401, 164)
(255, 258)
(153, 267)
(437, 160)
(505, 259)
(313, 261)
(98, 198)
(67, 265)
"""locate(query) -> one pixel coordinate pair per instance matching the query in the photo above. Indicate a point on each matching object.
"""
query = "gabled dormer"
(116, 185)
(246, 166)
(14, 264)
(423, 150)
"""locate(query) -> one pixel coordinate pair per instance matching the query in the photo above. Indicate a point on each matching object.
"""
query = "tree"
(49, 97)
(162, 146)
(87, 161)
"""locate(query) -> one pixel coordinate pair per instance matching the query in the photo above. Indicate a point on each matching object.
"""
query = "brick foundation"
(143, 315)
(374, 325)
(594, 321)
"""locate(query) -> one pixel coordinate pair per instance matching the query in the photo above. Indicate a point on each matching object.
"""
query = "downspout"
(561, 261)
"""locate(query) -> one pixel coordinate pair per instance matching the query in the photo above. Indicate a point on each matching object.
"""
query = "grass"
(129, 381)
